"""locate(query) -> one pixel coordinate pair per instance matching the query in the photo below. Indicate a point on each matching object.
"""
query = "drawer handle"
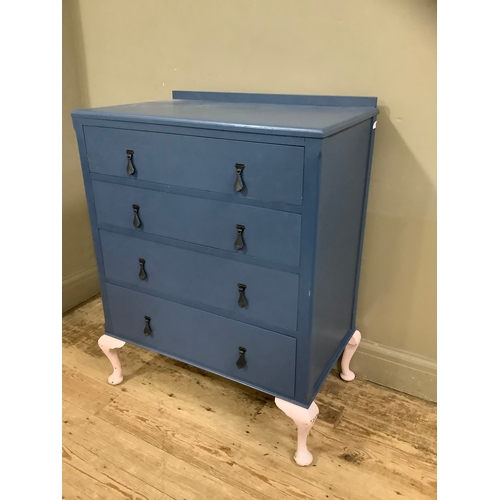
(137, 221)
(142, 271)
(238, 183)
(242, 300)
(147, 326)
(130, 165)
(239, 244)
(241, 363)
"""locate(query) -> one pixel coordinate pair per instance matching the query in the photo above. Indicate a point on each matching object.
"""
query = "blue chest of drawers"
(228, 229)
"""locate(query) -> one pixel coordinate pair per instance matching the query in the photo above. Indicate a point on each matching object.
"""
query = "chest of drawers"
(228, 230)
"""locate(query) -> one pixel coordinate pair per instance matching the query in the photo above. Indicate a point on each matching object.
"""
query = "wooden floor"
(173, 431)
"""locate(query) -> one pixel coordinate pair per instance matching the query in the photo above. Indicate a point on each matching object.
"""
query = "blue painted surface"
(258, 118)
(269, 234)
(206, 340)
(288, 99)
(306, 194)
(93, 220)
(198, 277)
(312, 176)
(271, 172)
(154, 124)
(196, 193)
(343, 176)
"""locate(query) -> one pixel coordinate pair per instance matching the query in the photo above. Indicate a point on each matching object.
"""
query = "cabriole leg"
(109, 347)
(304, 419)
(346, 374)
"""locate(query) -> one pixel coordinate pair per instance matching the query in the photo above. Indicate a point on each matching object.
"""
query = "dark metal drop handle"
(147, 326)
(130, 165)
(242, 300)
(238, 183)
(239, 244)
(241, 363)
(142, 271)
(137, 221)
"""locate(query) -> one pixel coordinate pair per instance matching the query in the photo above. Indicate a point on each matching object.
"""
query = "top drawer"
(271, 172)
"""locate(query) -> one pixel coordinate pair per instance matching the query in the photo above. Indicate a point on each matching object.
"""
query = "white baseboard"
(396, 369)
(79, 287)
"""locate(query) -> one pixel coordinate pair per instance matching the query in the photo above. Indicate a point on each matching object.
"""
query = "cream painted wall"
(134, 51)
(79, 269)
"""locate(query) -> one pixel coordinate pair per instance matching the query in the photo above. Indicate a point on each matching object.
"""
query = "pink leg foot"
(304, 419)
(110, 346)
(349, 350)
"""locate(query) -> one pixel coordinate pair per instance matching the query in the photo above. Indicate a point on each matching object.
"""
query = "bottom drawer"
(204, 339)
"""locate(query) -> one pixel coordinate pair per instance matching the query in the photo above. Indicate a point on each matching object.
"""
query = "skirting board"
(79, 287)
(396, 369)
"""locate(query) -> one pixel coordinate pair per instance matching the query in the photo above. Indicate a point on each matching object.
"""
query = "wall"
(133, 51)
(79, 269)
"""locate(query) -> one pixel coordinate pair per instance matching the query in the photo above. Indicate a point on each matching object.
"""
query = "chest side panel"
(342, 190)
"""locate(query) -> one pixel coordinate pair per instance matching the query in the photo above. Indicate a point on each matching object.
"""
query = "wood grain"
(171, 431)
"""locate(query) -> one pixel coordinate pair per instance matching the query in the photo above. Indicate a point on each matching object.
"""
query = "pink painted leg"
(346, 374)
(110, 346)
(304, 419)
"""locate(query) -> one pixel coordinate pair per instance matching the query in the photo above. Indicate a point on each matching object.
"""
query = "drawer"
(197, 277)
(268, 234)
(271, 172)
(204, 339)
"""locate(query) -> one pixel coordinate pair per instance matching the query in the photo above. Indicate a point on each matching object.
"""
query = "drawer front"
(204, 339)
(268, 234)
(272, 295)
(271, 172)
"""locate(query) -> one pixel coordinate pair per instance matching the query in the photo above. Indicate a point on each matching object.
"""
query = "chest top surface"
(305, 116)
